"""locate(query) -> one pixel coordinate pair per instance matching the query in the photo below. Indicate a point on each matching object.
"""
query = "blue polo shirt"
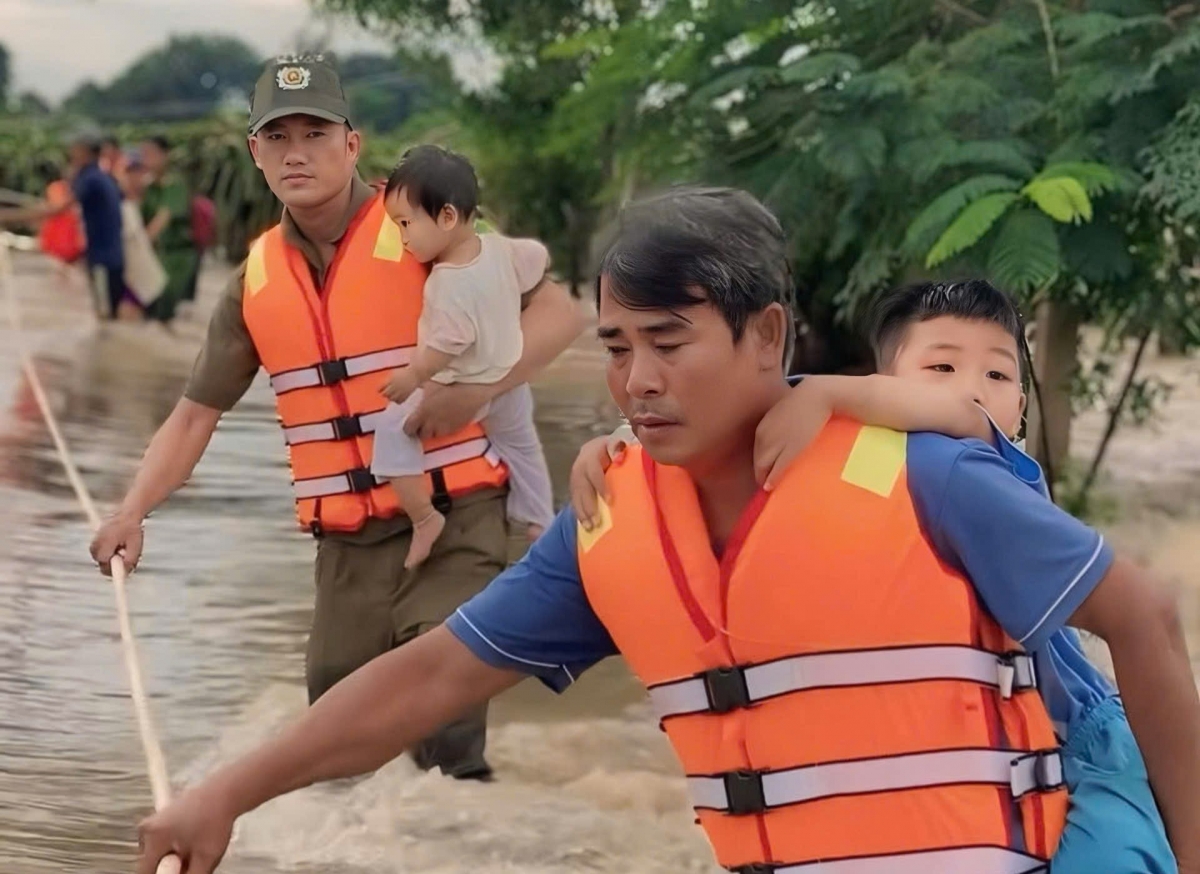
(100, 202)
(984, 511)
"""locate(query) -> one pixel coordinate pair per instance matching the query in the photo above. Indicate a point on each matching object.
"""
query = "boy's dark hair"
(110, 140)
(974, 300)
(161, 141)
(435, 178)
(697, 245)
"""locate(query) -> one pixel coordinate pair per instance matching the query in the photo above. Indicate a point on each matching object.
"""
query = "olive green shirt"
(172, 195)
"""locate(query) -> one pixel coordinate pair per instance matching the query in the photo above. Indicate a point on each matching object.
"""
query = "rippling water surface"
(221, 608)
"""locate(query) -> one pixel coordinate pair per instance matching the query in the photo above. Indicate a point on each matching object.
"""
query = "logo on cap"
(293, 78)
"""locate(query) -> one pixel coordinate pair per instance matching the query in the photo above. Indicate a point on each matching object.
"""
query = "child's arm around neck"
(904, 405)
(886, 401)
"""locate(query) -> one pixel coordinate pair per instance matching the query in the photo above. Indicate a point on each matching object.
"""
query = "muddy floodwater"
(221, 608)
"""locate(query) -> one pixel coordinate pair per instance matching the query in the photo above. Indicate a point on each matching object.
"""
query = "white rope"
(156, 765)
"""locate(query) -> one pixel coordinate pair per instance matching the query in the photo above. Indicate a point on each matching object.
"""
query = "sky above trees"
(56, 45)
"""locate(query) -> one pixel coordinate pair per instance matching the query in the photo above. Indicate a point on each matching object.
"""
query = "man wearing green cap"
(327, 303)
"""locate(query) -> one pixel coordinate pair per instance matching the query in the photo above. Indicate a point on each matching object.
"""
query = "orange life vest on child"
(329, 351)
(837, 696)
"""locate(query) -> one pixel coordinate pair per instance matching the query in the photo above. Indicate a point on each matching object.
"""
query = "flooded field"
(222, 603)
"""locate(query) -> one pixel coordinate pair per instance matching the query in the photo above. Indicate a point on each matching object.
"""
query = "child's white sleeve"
(531, 262)
(449, 317)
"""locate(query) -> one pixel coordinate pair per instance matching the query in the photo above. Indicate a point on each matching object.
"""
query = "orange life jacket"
(61, 235)
(329, 351)
(838, 698)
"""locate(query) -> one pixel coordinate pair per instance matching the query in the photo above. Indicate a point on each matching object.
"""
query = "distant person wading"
(166, 210)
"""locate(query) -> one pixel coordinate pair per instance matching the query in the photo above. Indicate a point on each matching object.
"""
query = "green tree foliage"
(557, 137)
(385, 91)
(30, 103)
(1051, 145)
(31, 155)
(1036, 143)
(1016, 259)
(1030, 142)
(5, 76)
(192, 77)
(186, 78)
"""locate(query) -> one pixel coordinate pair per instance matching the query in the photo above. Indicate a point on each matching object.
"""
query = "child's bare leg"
(427, 522)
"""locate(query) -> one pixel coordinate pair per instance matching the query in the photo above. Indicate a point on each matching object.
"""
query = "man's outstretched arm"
(534, 619)
(362, 723)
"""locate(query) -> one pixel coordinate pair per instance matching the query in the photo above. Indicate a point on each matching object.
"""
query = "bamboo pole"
(156, 765)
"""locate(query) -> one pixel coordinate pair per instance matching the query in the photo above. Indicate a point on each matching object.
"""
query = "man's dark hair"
(434, 178)
(110, 140)
(975, 300)
(91, 144)
(697, 245)
(161, 141)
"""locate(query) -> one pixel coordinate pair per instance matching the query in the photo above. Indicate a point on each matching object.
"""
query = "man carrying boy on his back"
(836, 662)
(951, 359)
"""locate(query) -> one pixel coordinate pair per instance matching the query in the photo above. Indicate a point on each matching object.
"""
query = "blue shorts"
(1113, 825)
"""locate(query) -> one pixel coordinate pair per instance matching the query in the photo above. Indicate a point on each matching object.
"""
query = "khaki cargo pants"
(367, 604)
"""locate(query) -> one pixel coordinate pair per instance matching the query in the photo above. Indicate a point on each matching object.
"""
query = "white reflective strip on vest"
(339, 484)
(325, 486)
(888, 774)
(307, 377)
(865, 668)
(962, 860)
(465, 451)
(324, 430)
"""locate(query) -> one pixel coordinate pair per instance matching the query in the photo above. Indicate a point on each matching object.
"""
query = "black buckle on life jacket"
(1048, 770)
(361, 479)
(1011, 660)
(332, 372)
(440, 497)
(744, 791)
(726, 689)
(345, 427)
(756, 868)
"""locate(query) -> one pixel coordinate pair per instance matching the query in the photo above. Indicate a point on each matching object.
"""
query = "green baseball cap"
(298, 85)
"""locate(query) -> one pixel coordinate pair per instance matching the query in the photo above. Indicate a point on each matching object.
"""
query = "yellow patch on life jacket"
(389, 245)
(256, 267)
(587, 539)
(876, 459)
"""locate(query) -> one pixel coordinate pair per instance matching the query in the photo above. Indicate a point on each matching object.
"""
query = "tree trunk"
(1055, 357)
(579, 224)
(1115, 411)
